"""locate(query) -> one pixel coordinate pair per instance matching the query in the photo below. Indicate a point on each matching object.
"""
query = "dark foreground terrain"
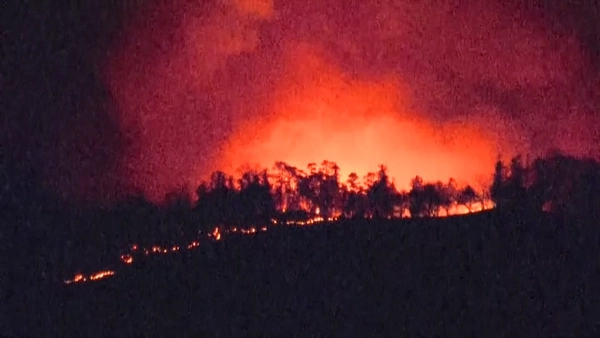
(484, 275)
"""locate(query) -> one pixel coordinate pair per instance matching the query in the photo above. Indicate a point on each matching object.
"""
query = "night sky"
(105, 100)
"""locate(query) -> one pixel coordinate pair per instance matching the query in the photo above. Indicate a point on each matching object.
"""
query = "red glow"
(193, 245)
(358, 125)
(424, 88)
(80, 278)
(127, 259)
(216, 234)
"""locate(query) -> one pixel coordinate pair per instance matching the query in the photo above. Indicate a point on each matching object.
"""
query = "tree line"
(289, 192)
(556, 182)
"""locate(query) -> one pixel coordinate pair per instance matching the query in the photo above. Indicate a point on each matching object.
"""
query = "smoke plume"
(432, 88)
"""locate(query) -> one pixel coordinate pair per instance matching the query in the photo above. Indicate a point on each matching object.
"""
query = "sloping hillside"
(489, 274)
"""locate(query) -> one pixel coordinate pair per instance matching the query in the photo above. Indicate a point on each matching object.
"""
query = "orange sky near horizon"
(424, 89)
(320, 114)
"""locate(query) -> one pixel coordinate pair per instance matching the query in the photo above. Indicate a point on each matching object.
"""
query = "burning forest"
(192, 87)
(300, 141)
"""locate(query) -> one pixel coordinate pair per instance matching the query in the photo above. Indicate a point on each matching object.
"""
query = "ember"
(127, 258)
(78, 278)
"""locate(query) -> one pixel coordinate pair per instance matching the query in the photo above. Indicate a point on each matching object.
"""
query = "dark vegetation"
(526, 268)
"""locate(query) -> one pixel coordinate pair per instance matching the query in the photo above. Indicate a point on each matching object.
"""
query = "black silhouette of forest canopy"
(287, 193)
(290, 193)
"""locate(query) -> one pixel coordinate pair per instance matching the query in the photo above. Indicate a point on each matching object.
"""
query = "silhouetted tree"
(353, 183)
(320, 189)
(432, 197)
(448, 194)
(467, 197)
(499, 183)
(354, 201)
(329, 198)
(287, 178)
(217, 200)
(401, 204)
(309, 188)
(565, 184)
(540, 191)
(255, 201)
(509, 186)
(417, 202)
(484, 193)
(516, 190)
(382, 194)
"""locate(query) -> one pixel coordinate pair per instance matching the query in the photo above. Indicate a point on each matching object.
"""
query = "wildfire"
(249, 231)
(357, 124)
(310, 221)
(127, 259)
(78, 278)
(193, 245)
(101, 274)
(134, 249)
(217, 235)
(463, 210)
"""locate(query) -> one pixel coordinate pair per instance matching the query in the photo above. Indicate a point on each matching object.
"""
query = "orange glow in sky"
(423, 88)
(319, 114)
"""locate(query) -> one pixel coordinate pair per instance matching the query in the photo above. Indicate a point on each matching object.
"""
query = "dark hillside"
(486, 274)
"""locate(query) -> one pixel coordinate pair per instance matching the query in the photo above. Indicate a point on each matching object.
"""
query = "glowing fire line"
(93, 277)
(127, 257)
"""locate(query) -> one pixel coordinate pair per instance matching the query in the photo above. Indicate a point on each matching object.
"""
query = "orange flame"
(127, 259)
(79, 278)
(216, 234)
